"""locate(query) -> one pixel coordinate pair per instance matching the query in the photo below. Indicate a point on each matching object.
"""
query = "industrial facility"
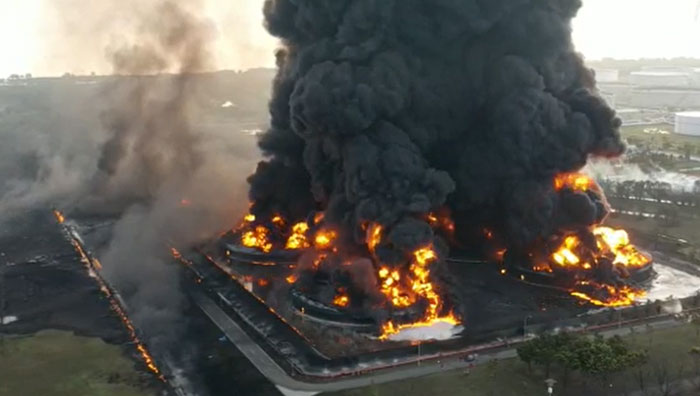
(652, 95)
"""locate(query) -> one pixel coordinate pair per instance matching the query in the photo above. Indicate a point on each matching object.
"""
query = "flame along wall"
(93, 266)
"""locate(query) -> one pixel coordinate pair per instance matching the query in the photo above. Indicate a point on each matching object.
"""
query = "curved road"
(292, 387)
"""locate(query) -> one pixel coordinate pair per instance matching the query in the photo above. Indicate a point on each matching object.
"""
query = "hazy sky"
(35, 38)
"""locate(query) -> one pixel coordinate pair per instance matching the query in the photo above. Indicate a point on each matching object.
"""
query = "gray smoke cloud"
(148, 115)
(154, 160)
(134, 147)
(384, 111)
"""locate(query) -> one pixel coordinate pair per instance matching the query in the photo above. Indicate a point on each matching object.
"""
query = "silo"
(688, 123)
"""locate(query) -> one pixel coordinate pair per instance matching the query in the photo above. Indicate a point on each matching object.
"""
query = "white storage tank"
(603, 76)
(688, 123)
(660, 79)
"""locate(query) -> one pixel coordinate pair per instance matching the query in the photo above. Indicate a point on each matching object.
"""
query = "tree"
(526, 353)
(601, 358)
(687, 151)
(593, 356)
(567, 357)
(546, 350)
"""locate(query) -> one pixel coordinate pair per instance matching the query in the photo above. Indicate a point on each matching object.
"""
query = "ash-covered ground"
(44, 285)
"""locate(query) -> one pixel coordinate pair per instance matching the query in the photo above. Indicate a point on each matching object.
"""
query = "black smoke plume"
(386, 110)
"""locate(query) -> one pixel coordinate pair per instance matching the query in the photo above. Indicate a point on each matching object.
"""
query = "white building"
(688, 123)
(658, 78)
(607, 75)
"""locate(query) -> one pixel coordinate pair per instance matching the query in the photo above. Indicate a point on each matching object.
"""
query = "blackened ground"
(218, 367)
(44, 284)
(492, 302)
(208, 360)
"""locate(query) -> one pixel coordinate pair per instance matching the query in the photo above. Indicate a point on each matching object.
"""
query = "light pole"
(525, 325)
(419, 344)
(550, 385)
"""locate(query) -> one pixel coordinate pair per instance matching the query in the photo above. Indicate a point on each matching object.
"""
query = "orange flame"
(374, 236)
(444, 222)
(260, 237)
(298, 238)
(291, 279)
(616, 297)
(278, 220)
(59, 217)
(92, 265)
(611, 243)
(324, 239)
(421, 286)
(318, 218)
(341, 299)
(574, 181)
(257, 238)
(618, 243)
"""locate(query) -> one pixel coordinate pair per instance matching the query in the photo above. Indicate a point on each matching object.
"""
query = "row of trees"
(652, 190)
(595, 356)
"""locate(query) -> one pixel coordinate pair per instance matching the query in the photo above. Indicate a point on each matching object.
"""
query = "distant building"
(661, 78)
(688, 123)
(604, 76)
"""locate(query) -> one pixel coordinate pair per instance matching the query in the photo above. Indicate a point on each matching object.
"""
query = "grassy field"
(667, 348)
(53, 363)
(670, 141)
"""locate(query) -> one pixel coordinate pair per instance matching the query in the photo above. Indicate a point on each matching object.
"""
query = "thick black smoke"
(385, 110)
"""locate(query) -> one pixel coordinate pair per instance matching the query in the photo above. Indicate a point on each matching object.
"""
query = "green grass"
(671, 141)
(504, 378)
(53, 363)
(511, 377)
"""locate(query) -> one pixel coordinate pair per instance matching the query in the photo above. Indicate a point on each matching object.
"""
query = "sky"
(51, 37)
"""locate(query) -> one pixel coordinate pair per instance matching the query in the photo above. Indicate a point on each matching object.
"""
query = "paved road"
(288, 385)
(291, 386)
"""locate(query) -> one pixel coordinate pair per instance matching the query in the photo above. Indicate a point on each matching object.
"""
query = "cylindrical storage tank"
(688, 123)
